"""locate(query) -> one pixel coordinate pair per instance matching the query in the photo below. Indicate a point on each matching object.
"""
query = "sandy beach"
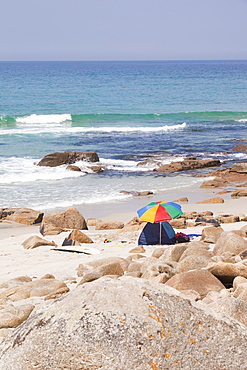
(17, 261)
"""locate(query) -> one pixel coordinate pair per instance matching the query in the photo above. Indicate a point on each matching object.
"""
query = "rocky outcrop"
(68, 157)
(94, 327)
(188, 165)
(70, 219)
(24, 216)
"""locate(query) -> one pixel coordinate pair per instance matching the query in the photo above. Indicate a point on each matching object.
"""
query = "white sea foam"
(44, 118)
(61, 129)
(242, 120)
(24, 170)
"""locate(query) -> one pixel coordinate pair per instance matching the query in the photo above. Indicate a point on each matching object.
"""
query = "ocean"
(150, 112)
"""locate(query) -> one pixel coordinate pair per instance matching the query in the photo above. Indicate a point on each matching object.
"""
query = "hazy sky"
(123, 29)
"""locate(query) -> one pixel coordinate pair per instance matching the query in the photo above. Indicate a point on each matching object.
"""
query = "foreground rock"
(68, 157)
(96, 327)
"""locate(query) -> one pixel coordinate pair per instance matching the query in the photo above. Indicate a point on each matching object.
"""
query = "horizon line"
(128, 60)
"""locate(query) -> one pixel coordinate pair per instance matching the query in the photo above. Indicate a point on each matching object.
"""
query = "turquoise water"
(127, 112)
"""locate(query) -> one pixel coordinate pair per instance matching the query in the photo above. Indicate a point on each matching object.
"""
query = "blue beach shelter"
(157, 233)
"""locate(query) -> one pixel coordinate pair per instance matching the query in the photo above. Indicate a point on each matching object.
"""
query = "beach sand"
(17, 261)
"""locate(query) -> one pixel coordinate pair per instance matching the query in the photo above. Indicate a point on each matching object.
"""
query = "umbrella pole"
(160, 233)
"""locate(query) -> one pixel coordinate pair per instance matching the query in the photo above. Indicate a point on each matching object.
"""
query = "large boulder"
(122, 324)
(24, 216)
(70, 219)
(68, 157)
(202, 281)
(229, 242)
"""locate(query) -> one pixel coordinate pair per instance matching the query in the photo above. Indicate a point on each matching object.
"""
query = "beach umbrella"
(159, 212)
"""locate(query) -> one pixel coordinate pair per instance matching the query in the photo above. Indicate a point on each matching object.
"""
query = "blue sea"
(152, 112)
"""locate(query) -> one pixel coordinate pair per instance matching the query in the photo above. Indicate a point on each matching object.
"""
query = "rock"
(153, 267)
(188, 165)
(178, 223)
(90, 276)
(48, 229)
(79, 237)
(137, 193)
(228, 219)
(240, 148)
(58, 293)
(239, 193)
(191, 294)
(158, 252)
(211, 201)
(73, 168)
(134, 266)
(93, 327)
(24, 216)
(109, 225)
(35, 288)
(215, 183)
(229, 242)
(226, 272)
(181, 200)
(211, 234)
(234, 308)
(108, 260)
(15, 282)
(240, 167)
(35, 241)
(11, 316)
(193, 262)
(202, 281)
(196, 248)
(238, 281)
(68, 157)
(91, 221)
(133, 225)
(70, 219)
(138, 249)
(173, 252)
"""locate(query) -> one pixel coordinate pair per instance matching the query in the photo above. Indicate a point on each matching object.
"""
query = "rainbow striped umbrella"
(159, 211)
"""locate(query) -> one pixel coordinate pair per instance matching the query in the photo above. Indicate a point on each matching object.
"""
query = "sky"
(123, 30)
